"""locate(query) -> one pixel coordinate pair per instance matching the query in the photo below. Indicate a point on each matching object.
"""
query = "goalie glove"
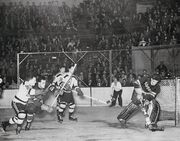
(147, 96)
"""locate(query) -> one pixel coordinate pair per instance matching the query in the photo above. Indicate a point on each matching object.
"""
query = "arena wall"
(99, 93)
(167, 97)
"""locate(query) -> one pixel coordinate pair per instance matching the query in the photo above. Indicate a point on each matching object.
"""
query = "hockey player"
(152, 108)
(55, 87)
(19, 103)
(66, 98)
(145, 92)
(35, 103)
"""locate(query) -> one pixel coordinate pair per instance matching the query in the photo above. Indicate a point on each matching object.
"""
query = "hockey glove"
(52, 88)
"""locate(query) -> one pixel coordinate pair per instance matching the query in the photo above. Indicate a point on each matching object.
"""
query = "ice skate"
(28, 125)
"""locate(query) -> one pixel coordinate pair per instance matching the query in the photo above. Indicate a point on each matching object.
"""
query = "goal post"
(177, 102)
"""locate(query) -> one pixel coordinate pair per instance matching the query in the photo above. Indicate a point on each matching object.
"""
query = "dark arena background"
(105, 38)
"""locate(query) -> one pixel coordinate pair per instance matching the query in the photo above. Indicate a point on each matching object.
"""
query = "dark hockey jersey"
(143, 87)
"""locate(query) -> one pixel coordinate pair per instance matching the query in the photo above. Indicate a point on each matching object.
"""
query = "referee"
(117, 92)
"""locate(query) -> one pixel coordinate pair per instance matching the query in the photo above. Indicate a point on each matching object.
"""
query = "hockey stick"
(63, 86)
(95, 99)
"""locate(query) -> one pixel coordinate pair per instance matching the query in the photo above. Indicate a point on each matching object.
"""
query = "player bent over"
(19, 104)
(35, 103)
(152, 107)
(145, 92)
(66, 98)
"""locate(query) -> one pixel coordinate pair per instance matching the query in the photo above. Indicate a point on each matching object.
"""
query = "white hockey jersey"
(58, 78)
(69, 81)
(23, 94)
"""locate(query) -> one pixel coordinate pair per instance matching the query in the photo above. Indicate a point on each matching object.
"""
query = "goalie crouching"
(144, 98)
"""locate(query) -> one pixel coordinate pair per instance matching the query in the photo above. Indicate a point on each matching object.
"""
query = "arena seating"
(92, 25)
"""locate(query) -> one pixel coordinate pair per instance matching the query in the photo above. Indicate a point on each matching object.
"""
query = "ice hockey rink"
(94, 124)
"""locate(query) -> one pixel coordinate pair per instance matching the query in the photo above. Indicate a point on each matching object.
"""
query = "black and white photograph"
(89, 70)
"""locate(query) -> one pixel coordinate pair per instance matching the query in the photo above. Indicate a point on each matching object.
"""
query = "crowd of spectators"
(158, 24)
(54, 28)
(38, 18)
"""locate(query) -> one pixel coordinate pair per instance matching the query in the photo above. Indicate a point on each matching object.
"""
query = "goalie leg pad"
(128, 111)
(153, 112)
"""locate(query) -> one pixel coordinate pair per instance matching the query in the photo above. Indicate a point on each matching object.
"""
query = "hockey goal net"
(169, 99)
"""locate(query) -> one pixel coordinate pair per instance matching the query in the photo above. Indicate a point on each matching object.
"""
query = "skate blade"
(159, 129)
(124, 126)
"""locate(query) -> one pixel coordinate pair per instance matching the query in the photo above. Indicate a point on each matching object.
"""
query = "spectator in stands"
(81, 79)
(48, 27)
(149, 42)
(124, 83)
(173, 40)
(142, 42)
(145, 74)
(104, 80)
(129, 80)
(162, 69)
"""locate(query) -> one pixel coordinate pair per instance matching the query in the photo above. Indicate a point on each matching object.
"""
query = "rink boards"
(99, 96)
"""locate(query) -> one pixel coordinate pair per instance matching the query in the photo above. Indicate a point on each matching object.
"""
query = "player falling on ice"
(36, 102)
(19, 103)
(144, 97)
(66, 86)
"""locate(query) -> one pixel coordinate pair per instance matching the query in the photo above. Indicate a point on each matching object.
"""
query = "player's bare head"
(41, 82)
(62, 69)
(30, 80)
(71, 68)
(134, 77)
(155, 79)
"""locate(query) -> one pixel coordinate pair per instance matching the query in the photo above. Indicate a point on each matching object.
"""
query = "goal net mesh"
(168, 99)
